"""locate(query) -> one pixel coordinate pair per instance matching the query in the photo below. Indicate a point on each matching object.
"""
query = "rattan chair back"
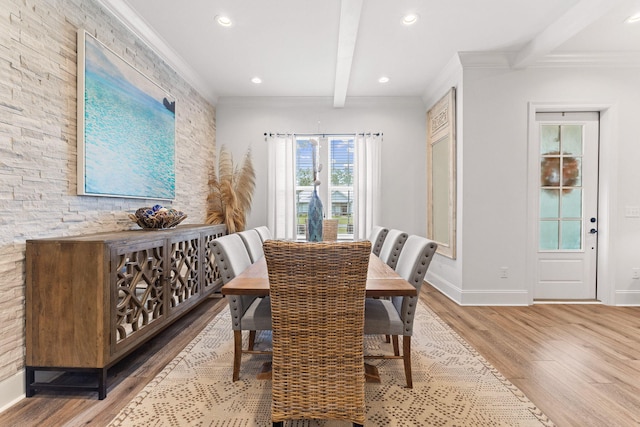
(329, 230)
(317, 305)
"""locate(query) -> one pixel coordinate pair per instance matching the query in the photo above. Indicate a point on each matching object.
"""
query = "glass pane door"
(561, 195)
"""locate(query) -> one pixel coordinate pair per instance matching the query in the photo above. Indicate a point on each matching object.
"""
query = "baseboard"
(495, 297)
(628, 298)
(478, 297)
(12, 390)
(443, 285)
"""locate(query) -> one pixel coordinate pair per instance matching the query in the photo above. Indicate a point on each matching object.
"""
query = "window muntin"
(336, 176)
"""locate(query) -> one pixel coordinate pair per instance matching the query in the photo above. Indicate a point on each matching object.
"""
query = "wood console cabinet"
(92, 299)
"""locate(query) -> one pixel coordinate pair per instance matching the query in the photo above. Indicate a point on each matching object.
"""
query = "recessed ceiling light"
(633, 18)
(410, 19)
(225, 21)
(256, 80)
(383, 79)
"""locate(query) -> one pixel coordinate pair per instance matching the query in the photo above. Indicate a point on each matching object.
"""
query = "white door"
(567, 205)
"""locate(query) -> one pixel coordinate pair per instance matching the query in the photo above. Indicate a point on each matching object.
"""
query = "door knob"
(593, 231)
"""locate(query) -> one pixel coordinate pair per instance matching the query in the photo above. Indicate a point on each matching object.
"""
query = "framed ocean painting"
(126, 128)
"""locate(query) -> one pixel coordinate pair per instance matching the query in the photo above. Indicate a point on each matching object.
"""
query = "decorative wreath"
(550, 171)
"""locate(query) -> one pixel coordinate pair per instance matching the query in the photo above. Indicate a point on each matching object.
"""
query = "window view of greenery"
(339, 189)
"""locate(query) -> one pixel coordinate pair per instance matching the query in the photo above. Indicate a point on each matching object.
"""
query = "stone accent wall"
(38, 142)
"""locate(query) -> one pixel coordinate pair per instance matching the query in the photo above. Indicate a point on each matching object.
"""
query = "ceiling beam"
(562, 29)
(348, 34)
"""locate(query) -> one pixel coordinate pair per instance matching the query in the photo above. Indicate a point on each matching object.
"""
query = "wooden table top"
(382, 281)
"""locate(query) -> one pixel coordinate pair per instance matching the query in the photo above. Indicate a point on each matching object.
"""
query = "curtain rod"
(269, 134)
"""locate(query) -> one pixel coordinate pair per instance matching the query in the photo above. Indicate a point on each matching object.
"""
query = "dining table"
(382, 281)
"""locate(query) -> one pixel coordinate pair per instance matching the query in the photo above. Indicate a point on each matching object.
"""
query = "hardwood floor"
(580, 364)
(124, 381)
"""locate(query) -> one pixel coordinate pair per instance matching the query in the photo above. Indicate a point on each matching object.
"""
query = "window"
(349, 189)
(336, 155)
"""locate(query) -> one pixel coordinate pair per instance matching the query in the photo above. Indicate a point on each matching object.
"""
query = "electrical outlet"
(635, 273)
(504, 272)
(632, 212)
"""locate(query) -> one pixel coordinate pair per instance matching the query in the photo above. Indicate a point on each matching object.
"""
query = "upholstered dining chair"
(264, 232)
(392, 246)
(376, 237)
(253, 243)
(248, 312)
(395, 316)
(317, 305)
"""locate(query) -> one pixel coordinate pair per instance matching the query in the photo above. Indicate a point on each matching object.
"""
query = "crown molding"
(590, 59)
(138, 26)
(553, 60)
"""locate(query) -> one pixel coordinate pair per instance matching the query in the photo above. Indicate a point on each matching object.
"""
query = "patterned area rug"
(452, 386)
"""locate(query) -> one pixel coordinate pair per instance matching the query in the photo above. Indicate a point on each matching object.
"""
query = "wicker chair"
(329, 230)
(248, 312)
(317, 304)
(264, 232)
(253, 242)
(392, 246)
(376, 237)
(395, 316)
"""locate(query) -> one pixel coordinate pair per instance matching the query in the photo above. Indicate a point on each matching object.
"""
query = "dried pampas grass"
(230, 192)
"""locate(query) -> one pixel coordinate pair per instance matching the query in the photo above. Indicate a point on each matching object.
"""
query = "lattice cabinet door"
(184, 271)
(138, 291)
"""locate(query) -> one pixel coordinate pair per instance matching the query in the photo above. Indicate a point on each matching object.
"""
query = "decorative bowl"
(157, 217)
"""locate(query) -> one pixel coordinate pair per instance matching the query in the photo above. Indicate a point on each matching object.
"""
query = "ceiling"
(339, 49)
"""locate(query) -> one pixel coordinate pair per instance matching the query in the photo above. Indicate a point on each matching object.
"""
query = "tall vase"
(314, 218)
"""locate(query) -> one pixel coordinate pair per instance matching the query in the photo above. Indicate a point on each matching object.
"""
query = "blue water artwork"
(128, 137)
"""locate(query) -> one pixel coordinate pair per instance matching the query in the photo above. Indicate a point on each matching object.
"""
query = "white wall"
(242, 122)
(495, 174)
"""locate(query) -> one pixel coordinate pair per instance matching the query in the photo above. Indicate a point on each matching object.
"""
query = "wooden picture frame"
(441, 174)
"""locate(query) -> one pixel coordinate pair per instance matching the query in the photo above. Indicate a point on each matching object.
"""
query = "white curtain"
(281, 209)
(366, 184)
